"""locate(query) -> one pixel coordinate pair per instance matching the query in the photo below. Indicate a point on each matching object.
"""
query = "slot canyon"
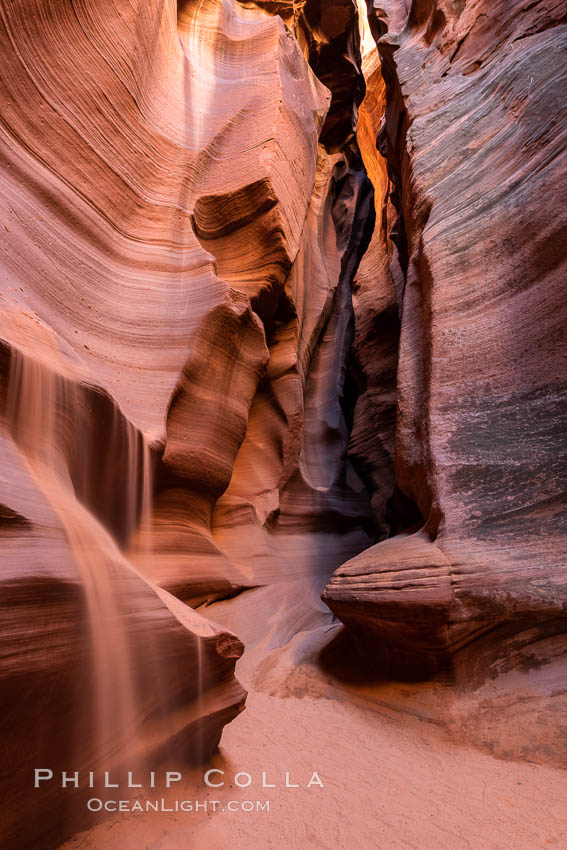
(283, 373)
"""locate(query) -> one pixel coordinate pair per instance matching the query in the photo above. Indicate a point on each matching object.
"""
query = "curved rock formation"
(271, 294)
(176, 321)
(127, 359)
(474, 141)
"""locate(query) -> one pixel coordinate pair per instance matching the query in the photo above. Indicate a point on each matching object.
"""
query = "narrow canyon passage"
(283, 417)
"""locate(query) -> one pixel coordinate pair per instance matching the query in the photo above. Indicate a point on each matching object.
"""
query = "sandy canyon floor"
(392, 778)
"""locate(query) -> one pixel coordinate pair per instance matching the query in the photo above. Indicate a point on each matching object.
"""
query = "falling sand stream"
(37, 397)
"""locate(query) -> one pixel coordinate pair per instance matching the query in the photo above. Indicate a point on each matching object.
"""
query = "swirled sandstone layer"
(158, 164)
(474, 143)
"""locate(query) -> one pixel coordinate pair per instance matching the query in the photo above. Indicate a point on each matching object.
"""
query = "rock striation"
(184, 209)
(129, 365)
(472, 250)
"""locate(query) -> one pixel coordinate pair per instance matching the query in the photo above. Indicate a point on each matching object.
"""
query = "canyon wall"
(183, 211)
(472, 248)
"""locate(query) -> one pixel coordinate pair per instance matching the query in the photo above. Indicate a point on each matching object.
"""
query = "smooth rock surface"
(175, 324)
(474, 138)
